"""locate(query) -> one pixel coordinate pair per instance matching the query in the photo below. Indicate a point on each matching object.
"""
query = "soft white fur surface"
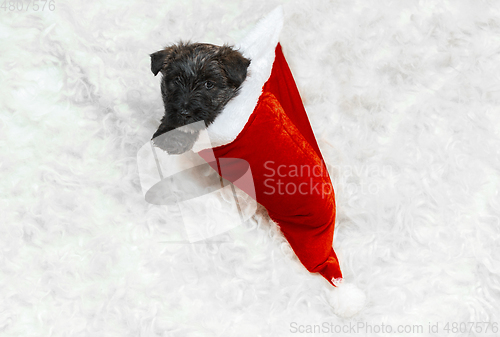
(402, 95)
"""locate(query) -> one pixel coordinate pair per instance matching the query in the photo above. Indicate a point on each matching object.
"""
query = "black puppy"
(198, 81)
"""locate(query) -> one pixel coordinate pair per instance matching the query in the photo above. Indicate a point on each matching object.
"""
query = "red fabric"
(289, 174)
(282, 85)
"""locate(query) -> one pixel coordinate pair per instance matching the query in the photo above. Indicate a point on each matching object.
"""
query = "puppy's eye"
(178, 80)
(209, 85)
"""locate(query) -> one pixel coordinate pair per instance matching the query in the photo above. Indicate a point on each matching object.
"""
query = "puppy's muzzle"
(185, 113)
(176, 141)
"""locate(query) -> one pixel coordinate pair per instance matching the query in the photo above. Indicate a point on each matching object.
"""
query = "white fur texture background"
(403, 97)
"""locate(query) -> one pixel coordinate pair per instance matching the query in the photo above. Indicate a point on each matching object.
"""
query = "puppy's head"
(198, 81)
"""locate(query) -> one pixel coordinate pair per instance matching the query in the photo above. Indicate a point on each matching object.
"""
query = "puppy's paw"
(175, 141)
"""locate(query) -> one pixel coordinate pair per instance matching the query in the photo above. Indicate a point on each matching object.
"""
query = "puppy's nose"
(185, 113)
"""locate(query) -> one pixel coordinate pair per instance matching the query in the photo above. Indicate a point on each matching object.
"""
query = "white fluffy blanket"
(403, 97)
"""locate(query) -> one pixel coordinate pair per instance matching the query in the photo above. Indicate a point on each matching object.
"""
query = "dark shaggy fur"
(198, 81)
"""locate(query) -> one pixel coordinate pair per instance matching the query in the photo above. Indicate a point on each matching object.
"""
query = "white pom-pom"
(346, 299)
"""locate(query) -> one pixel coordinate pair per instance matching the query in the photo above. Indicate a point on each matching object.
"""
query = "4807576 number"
(33, 5)
(471, 327)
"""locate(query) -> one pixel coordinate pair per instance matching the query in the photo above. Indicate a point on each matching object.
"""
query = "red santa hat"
(265, 129)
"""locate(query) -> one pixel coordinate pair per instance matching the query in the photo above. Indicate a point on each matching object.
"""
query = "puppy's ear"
(234, 65)
(160, 58)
